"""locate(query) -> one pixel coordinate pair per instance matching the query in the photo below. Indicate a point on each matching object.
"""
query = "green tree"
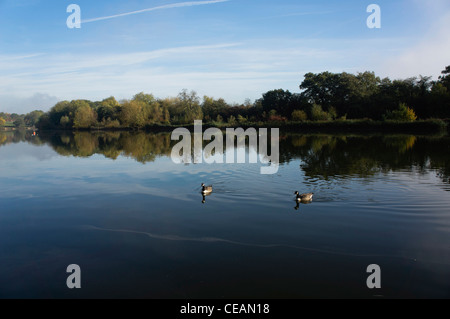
(19, 122)
(59, 110)
(85, 116)
(64, 121)
(32, 118)
(345, 92)
(211, 108)
(440, 101)
(108, 108)
(2, 121)
(190, 104)
(321, 88)
(278, 100)
(444, 79)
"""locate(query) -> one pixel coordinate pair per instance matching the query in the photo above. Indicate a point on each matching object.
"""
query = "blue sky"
(234, 49)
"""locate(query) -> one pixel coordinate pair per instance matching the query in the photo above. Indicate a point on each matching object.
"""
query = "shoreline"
(435, 126)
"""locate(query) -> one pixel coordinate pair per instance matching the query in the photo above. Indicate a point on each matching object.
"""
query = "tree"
(190, 104)
(153, 112)
(63, 108)
(33, 117)
(278, 100)
(211, 108)
(403, 113)
(320, 88)
(64, 121)
(346, 92)
(146, 98)
(241, 119)
(85, 116)
(318, 114)
(132, 114)
(445, 78)
(299, 115)
(19, 123)
(108, 108)
(2, 121)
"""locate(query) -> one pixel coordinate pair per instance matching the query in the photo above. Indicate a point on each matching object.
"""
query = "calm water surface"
(116, 204)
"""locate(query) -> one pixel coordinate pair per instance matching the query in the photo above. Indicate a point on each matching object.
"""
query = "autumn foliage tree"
(85, 117)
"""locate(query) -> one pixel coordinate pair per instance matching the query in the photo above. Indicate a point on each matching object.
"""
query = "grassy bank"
(8, 124)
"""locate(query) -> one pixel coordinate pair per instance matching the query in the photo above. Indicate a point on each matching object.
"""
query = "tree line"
(20, 120)
(324, 96)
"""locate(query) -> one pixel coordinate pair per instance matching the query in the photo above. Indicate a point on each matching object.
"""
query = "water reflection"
(204, 197)
(322, 157)
(112, 214)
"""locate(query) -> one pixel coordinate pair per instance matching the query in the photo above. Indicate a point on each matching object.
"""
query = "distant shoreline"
(433, 126)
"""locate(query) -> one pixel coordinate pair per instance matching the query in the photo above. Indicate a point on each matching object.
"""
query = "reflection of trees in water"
(17, 136)
(140, 146)
(323, 156)
(327, 157)
(3, 139)
(146, 147)
(86, 143)
(402, 143)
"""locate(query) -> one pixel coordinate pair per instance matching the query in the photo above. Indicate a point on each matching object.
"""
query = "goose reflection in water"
(204, 198)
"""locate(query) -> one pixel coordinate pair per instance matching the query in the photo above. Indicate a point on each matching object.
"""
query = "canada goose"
(303, 197)
(206, 189)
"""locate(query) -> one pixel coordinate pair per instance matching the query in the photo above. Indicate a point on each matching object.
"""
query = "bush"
(241, 119)
(318, 114)
(232, 120)
(109, 123)
(403, 113)
(299, 115)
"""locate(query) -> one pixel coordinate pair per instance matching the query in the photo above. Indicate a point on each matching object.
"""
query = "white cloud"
(229, 70)
(234, 71)
(168, 6)
(22, 105)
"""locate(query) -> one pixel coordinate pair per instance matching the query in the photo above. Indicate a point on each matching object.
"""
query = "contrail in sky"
(168, 6)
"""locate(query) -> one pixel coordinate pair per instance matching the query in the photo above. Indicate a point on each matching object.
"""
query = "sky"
(231, 49)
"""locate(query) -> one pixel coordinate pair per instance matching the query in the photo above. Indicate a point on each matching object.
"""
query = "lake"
(115, 204)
